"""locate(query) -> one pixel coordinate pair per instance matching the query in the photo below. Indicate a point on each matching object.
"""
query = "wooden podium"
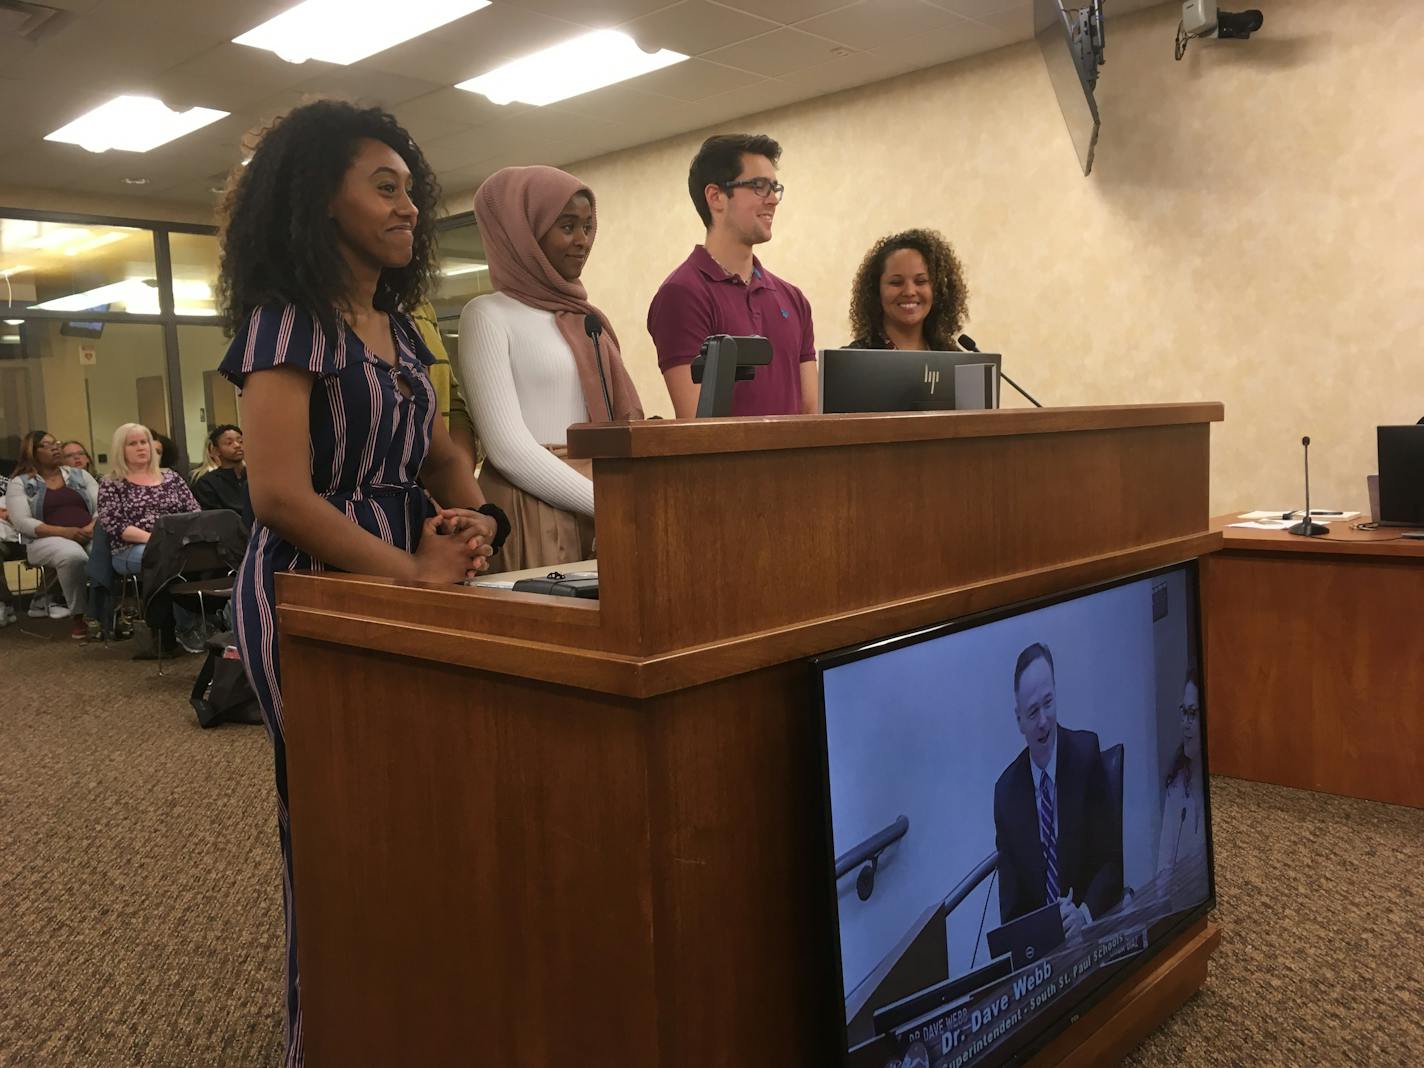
(531, 831)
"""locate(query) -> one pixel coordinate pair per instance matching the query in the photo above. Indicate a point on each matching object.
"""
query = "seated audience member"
(1183, 813)
(909, 294)
(224, 481)
(133, 495)
(76, 456)
(530, 367)
(170, 457)
(9, 539)
(721, 288)
(52, 507)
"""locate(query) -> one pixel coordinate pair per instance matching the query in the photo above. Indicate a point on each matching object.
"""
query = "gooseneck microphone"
(967, 344)
(593, 327)
(1306, 527)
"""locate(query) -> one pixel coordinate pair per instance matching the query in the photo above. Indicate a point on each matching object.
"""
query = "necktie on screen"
(1046, 835)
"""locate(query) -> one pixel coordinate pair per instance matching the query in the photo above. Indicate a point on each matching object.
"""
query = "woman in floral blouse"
(132, 497)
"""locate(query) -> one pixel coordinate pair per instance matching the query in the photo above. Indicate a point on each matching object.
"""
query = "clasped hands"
(455, 544)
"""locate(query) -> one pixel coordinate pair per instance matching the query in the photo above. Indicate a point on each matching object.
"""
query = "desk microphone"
(967, 344)
(593, 327)
(1307, 528)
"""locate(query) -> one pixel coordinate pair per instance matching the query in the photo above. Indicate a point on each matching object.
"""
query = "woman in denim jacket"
(52, 506)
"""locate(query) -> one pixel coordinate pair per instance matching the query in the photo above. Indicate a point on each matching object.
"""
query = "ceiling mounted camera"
(1200, 18)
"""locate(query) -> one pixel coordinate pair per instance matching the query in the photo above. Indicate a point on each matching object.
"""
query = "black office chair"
(192, 560)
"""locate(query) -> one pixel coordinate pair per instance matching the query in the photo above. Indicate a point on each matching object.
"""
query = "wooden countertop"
(687, 437)
(1342, 539)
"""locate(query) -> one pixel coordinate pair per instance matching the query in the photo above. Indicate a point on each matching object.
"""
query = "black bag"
(221, 692)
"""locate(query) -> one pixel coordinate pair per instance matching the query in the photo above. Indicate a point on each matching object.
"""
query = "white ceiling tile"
(474, 44)
(694, 79)
(454, 106)
(1016, 23)
(251, 67)
(970, 39)
(596, 14)
(785, 12)
(694, 27)
(845, 72)
(871, 23)
(778, 52)
(975, 9)
(621, 105)
(367, 86)
(457, 150)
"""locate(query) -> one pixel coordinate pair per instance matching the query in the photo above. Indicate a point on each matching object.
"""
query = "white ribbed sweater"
(522, 386)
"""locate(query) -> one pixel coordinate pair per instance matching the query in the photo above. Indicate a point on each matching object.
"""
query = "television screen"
(1018, 817)
(1072, 50)
(80, 328)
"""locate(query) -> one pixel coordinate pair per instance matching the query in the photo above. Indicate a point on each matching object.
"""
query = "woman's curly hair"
(278, 241)
(950, 305)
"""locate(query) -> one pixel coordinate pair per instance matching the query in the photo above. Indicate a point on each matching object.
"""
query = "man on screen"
(1053, 822)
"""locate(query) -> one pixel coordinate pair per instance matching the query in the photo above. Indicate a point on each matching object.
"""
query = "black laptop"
(1401, 475)
(1029, 937)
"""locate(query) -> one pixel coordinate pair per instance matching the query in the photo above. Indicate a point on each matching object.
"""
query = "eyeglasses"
(762, 187)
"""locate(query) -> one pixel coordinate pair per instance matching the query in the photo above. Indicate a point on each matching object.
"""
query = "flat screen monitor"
(1401, 475)
(892, 380)
(1072, 49)
(82, 328)
(1018, 816)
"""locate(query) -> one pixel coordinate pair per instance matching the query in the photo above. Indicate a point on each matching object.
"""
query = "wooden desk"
(530, 830)
(1315, 660)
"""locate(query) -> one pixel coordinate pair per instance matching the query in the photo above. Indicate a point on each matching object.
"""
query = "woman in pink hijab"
(530, 369)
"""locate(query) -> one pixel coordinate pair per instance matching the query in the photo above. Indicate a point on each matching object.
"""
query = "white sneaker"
(58, 611)
(39, 607)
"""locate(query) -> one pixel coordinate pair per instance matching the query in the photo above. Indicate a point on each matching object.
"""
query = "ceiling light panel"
(133, 124)
(344, 31)
(577, 66)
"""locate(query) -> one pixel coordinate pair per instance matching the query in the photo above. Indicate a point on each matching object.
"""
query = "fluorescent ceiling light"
(10, 339)
(98, 242)
(343, 31)
(133, 124)
(8, 271)
(577, 66)
(458, 269)
(61, 236)
(14, 322)
(139, 297)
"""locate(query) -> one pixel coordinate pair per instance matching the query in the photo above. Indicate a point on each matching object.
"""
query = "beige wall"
(1253, 231)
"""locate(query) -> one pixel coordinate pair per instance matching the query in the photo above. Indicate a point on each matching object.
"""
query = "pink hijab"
(515, 207)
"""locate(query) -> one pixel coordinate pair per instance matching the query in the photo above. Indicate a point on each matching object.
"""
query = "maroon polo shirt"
(700, 299)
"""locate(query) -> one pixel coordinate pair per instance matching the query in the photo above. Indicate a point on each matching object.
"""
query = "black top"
(222, 488)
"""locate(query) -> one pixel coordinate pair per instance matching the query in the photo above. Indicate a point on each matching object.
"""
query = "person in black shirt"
(224, 484)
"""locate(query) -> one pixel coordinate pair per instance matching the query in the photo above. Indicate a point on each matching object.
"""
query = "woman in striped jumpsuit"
(328, 234)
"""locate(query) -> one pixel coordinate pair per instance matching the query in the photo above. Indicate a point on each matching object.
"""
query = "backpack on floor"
(221, 692)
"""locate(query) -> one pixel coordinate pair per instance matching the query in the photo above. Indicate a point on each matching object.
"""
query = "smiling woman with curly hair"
(328, 242)
(909, 293)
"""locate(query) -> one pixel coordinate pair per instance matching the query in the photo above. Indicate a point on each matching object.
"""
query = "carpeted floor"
(140, 914)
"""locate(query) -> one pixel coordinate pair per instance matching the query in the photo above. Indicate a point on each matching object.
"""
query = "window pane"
(83, 387)
(58, 266)
(463, 274)
(195, 273)
(209, 400)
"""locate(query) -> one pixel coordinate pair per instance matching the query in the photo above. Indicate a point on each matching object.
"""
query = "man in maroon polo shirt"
(723, 289)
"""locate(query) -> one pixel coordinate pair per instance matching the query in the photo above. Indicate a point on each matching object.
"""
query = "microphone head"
(967, 343)
(1305, 440)
(592, 325)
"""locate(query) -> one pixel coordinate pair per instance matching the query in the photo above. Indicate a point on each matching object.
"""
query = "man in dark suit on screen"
(1052, 815)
